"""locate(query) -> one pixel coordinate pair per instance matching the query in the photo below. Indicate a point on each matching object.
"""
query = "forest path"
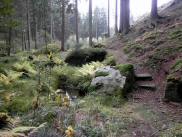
(154, 115)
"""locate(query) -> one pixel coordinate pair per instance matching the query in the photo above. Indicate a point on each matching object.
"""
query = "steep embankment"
(154, 47)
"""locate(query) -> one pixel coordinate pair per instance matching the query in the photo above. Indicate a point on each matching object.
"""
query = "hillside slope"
(153, 46)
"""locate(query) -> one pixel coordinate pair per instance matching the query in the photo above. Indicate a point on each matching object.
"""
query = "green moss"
(110, 60)
(177, 66)
(99, 74)
(134, 49)
(125, 69)
(151, 35)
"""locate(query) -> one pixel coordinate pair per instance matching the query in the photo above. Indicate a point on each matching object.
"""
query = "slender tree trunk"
(45, 23)
(51, 2)
(97, 29)
(28, 24)
(22, 40)
(90, 23)
(76, 16)
(36, 28)
(63, 25)
(116, 17)
(35, 24)
(9, 41)
(108, 18)
(154, 12)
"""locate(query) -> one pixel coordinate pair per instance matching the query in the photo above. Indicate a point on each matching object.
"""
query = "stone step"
(143, 76)
(149, 86)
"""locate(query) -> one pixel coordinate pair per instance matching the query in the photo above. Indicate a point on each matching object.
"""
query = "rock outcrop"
(108, 80)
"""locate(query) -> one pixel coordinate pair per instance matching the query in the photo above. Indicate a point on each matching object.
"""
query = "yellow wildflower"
(70, 132)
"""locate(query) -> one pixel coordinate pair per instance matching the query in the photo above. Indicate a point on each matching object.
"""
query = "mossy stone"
(127, 70)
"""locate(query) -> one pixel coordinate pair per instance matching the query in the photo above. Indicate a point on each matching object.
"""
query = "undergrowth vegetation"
(29, 82)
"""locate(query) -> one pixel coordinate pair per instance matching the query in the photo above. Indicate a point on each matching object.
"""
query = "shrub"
(110, 60)
(54, 48)
(98, 45)
(78, 78)
(84, 56)
(24, 66)
(19, 105)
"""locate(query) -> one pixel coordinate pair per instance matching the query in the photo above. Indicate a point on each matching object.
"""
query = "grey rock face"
(108, 84)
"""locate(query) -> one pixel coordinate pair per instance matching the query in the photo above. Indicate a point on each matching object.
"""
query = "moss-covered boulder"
(84, 56)
(173, 90)
(108, 80)
(127, 70)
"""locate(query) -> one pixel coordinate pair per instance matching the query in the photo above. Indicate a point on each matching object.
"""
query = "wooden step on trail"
(144, 76)
(149, 86)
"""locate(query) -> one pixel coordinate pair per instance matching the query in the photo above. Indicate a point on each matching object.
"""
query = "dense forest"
(100, 72)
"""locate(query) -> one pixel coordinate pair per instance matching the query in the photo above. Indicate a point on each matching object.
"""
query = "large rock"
(108, 80)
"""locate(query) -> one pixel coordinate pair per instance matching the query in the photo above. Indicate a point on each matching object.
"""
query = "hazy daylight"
(90, 68)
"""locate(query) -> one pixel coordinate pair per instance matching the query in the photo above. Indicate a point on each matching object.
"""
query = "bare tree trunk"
(97, 29)
(121, 16)
(90, 23)
(51, 20)
(126, 24)
(28, 24)
(45, 24)
(116, 17)
(124, 16)
(63, 25)
(36, 33)
(35, 24)
(9, 41)
(22, 41)
(154, 13)
(108, 18)
(76, 16)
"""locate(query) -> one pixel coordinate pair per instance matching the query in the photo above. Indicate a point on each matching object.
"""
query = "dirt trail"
(167, 113)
